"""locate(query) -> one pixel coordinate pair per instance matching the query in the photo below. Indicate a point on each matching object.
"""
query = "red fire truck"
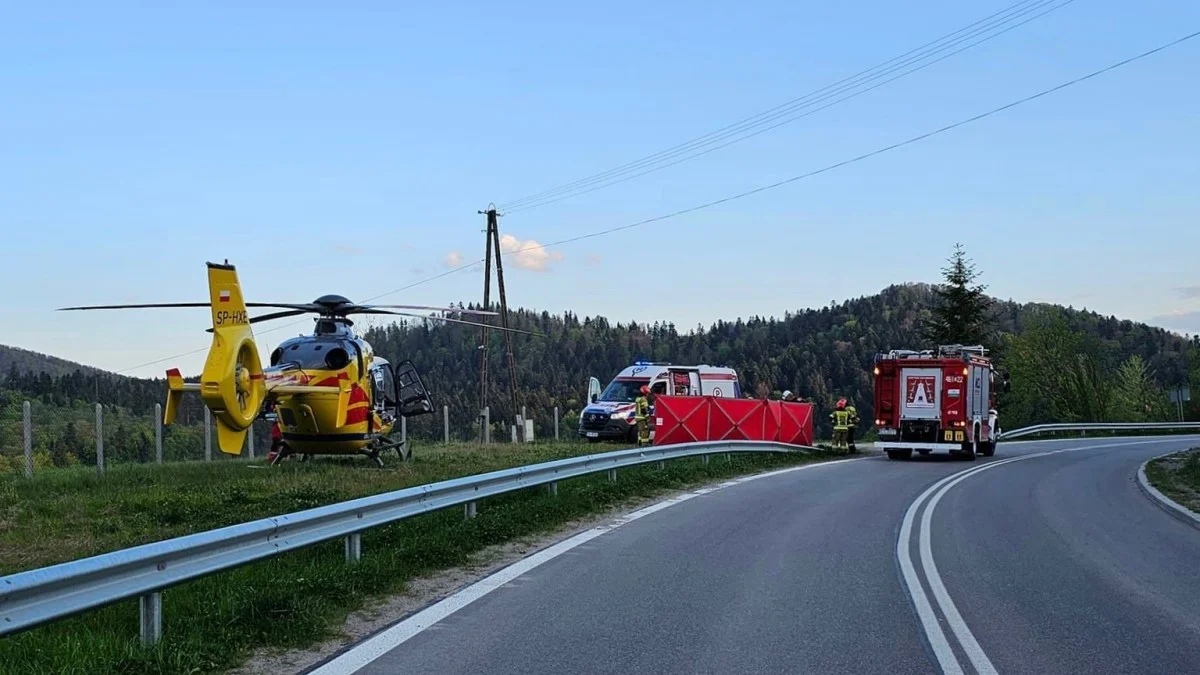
(936, 402)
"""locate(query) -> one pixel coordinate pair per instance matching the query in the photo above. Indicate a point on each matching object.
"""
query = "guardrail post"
(403, 429)
(704, 459)
(250, 441)
(27, 431)
(207, 434)
(446, 424)
(556, 423)
(487, 424)
(469, 510)
(150, 609)
(728, 458)
(662, 466)
(158, 418)
(554, 488)
(99, 439)
(612, 475)
(353, 547)
(513, 428)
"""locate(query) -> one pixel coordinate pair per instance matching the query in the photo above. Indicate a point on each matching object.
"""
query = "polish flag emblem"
(223, 296)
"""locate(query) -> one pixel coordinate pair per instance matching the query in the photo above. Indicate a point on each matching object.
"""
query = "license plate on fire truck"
(956, 436)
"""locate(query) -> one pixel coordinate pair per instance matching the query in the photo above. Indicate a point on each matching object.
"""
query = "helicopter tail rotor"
(232, 383)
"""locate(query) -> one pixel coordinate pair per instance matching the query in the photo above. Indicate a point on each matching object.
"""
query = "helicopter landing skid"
(401, 447)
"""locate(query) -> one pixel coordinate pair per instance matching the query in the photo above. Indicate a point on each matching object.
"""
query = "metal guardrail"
(1095, 426)
(38, 596)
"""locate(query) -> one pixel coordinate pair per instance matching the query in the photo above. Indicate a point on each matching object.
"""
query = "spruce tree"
(959, 314)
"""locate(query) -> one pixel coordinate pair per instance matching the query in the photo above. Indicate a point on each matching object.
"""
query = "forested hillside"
(820, 354)
(1065, 364)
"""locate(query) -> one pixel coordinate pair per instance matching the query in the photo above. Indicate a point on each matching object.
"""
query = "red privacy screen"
(684, 419)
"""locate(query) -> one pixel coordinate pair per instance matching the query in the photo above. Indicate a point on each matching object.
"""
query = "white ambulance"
(610, 413)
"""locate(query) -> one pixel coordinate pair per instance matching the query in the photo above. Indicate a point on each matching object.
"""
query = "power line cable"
(787, 181)
(873, 153)
(787, 119)
(999, 19)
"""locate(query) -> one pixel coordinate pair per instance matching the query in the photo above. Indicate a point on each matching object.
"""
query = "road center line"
(929, 621)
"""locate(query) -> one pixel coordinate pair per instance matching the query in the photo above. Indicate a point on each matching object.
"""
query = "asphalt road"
(1054, 563)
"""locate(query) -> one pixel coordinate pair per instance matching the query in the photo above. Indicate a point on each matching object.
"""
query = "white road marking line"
(371, 649)
(929, 621)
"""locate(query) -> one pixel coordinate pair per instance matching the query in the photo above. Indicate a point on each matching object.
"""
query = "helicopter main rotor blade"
(298, 306)
(457, 310)
(157, 305)
(442, 318)
(137, 306)
(277, 315)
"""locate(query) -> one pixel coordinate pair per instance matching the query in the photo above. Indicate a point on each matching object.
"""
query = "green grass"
(298, 598)
(1178, 477)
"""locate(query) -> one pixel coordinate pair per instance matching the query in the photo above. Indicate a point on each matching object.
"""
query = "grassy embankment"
(1178, 477)
(295, 599)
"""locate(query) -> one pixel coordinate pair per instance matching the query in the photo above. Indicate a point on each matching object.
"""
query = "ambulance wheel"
(899, 454)
(632, 435)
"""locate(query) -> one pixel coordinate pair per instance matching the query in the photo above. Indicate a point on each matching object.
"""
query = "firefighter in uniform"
(641, 412)
(852, 426)
(841, 425)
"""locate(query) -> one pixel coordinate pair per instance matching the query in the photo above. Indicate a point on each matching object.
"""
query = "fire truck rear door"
(922, 392)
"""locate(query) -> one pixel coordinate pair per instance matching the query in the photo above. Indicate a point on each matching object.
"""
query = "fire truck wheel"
(988, 449)
(968, 452)
(899, 454)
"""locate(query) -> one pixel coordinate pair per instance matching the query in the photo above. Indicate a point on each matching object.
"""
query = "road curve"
(1054, 562)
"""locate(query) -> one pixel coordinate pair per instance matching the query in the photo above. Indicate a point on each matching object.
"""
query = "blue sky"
(326, 149)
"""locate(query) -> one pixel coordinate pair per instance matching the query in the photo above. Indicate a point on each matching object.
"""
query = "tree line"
(1065, 365)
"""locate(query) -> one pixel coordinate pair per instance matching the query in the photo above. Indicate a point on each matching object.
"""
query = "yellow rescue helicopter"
(328, 392)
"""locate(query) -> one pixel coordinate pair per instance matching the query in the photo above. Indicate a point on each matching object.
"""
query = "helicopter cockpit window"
(315, 355)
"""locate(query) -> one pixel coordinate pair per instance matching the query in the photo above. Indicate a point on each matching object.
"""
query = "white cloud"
(1189, 291)
(453, 259)
(594, 259)
(1178, 320)
(528, 254)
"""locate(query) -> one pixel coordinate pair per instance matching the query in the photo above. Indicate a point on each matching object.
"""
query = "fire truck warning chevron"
(936, 402)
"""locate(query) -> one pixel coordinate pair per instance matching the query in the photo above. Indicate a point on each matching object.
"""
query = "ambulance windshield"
(623, 391)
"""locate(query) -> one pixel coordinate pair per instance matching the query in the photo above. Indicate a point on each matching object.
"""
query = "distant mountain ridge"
(27, 361)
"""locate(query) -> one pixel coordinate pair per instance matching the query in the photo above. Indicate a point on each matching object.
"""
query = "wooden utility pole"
(493, 241)
(483, 332)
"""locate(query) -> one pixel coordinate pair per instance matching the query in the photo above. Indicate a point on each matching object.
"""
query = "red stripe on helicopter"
(357, 415)
(357, 393)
